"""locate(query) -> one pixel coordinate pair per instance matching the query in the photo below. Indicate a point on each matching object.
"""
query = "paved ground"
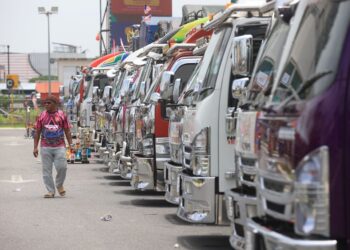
(139, 220)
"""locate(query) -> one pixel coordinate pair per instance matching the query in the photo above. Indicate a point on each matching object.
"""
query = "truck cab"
(241, 201)
(302, 137)
(148, 170)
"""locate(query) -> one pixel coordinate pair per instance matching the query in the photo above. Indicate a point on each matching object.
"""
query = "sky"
(77, 23)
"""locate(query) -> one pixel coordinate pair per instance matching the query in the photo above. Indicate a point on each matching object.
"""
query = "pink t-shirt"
(52, 127)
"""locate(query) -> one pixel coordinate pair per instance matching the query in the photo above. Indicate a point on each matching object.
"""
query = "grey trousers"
(56, 156)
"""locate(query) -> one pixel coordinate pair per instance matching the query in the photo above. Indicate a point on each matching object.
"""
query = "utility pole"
(8, 59)
(54, 10)
(100, 27)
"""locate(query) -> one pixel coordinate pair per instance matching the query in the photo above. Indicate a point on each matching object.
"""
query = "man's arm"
(36, 141)
(68, 136)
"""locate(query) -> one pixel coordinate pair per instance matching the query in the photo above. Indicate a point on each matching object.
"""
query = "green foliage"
(43, 78)
(4, 102)
(19, 118)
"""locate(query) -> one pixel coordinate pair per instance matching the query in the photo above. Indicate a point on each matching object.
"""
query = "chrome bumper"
(257, 234)
(114, 166)
(126, 166)
(239, 207)
(171, 179)
(143, 173)
(197, 202)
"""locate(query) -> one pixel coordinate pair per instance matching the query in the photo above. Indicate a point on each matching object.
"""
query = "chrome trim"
(244, 206)
(143, 173)
(268, 196)
(251, 170)
(125, 167)
(275, 240)
(171, 179)
(162, 140)
(197, 202)
(176, 153)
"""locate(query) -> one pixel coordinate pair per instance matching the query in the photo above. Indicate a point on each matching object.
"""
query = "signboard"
(136, 7)
(119, 27)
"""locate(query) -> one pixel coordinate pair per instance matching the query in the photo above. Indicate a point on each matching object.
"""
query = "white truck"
(207, 154)
(241, 201)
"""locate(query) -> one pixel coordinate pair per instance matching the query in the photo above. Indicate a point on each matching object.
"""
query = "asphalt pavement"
(139, 220)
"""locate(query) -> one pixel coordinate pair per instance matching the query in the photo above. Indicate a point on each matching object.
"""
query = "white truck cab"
(207, 154)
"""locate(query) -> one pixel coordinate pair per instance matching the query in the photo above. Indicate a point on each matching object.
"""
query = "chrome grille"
(187, 156)
(248, 167)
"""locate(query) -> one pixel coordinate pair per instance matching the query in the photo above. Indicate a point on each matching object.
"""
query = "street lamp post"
(54, 10)
(8, 59)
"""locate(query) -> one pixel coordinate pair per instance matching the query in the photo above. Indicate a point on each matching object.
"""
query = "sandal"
(61, 191)
(49, 195)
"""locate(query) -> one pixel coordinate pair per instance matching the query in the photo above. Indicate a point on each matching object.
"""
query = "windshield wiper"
(303, 87)
(204, 90)
(188, 92)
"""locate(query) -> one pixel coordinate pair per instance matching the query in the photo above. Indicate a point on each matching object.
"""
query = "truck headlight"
(312, 194)
(200, 142)
(200, 161)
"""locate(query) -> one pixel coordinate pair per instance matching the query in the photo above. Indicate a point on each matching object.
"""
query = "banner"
(136, 7)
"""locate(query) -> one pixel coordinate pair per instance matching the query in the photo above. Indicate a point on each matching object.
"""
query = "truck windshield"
(191, 84)
(313, 58)
(118, 83)
(155, 83)
(215, 56)
(87, 88)
(75, 88)
(146, 70)
(267, 63)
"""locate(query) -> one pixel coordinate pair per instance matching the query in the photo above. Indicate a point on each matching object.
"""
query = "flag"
(147, 9)
(113, 48)
(147, 18)
(122, 44)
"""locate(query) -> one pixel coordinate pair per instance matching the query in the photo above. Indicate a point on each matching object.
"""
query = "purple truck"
(303, 137)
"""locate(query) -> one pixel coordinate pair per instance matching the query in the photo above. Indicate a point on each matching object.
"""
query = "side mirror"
(107, 92)
(285, 10)
(94, 92)
(242, 55)
(177, 89)
(111, 73)
(239, 87)
(167, 78)
(61, 91)
(143, 88)
(88, 78)
(157, 69)
(155, 97)
(163, 103)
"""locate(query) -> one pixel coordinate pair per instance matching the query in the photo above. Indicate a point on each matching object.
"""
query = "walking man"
(51, 126)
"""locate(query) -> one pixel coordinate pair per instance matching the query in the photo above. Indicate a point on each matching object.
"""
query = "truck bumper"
(125, 167)
(239, 207)
(114, 167)
(197, 202)
(171, 179)
(143, 173)
(259, 236)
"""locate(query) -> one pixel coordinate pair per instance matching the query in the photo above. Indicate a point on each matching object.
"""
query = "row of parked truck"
(241, 117)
